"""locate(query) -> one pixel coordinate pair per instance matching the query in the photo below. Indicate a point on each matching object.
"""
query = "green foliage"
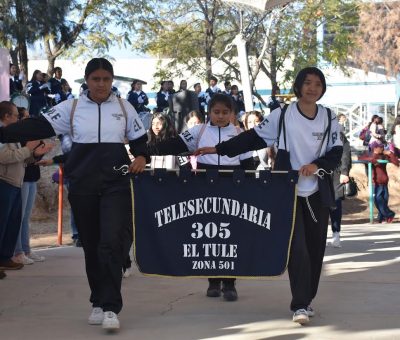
(182, 31)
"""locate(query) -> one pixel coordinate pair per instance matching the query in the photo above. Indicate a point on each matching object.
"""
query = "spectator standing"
(380, 179)
(250, 121)
(15, 80)
(238, 100)
(38, 91)
(340, 178)
(56, 86)
(213, 88)
(227, 87)
(202, 98)
(22, 252)
(170, 87)
(182, 85)
(162, 97)
(377, 132)
(12, 169)
(138, 98)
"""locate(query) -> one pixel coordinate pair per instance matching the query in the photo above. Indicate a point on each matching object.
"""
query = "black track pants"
(307, 250)
(104, 223)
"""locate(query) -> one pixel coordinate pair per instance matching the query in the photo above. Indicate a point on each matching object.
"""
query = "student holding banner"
(308, 138)
(98, 123)
(218, 129)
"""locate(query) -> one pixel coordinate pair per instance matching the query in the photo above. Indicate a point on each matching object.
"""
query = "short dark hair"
(194, 86)
(57, 68)
(301, 77)
(5, 108)
(98, 64)
(213, 78)
(220, 98)
(227, 83)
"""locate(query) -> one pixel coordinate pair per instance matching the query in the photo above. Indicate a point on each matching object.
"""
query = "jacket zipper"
(219, 141)
(99, 130)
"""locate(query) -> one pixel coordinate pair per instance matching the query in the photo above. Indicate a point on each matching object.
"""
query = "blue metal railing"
(370, 186)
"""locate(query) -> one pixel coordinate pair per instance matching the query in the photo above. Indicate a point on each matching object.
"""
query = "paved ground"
(359, 298)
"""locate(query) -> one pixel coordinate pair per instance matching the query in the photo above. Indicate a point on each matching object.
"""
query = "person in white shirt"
(308, 141)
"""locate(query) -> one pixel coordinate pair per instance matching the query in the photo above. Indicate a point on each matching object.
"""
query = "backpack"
(282, 161)
(365, 135)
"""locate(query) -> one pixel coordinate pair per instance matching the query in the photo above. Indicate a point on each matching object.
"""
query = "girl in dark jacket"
(38, 93)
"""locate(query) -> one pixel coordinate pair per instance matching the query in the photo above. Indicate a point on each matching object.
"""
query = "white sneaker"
(35, 257)
(96, 317)
(336, 240)
(22, 258)
(310, 311)
(110, 321)
(301, 316)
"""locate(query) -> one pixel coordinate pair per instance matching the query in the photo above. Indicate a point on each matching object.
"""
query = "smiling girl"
(308, 141)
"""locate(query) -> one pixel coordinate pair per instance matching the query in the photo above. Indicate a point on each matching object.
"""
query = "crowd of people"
(213, 127)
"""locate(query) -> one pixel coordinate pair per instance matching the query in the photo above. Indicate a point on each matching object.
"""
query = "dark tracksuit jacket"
(99, 196)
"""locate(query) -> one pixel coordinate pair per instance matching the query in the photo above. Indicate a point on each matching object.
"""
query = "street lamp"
(240, 41)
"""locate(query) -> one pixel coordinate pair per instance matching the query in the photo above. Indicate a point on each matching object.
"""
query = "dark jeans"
(104, 224)
(381, 202)
(10, 219)
(336, 216)
(307, 250)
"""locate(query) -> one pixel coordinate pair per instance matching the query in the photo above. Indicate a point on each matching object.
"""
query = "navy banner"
(213, 224)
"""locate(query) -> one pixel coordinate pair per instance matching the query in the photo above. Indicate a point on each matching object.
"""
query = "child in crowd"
(308, 138)
(250, 120)
(161, 129)
(22, 252)
(217, 129)
(380, 179)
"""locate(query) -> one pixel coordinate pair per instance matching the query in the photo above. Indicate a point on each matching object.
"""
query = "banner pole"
(60, 205)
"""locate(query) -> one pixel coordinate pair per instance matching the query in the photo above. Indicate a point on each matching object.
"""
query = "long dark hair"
(167, 131)
(34, 75)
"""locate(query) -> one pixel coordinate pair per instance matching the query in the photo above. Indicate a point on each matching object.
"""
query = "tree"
(191, 33)
(378, 37)
(17, 35)
(98, 24)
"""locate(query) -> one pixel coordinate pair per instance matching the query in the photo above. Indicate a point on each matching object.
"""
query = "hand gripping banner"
(213, 224)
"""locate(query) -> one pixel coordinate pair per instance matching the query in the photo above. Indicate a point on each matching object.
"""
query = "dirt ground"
(44, 216)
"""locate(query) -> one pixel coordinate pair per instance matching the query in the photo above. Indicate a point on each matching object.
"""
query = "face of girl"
(39, 76)
(26, 114)
(311, 89)
(252, 121)
(192, 122)
(99, 84)
(156, 126)
(220, 115)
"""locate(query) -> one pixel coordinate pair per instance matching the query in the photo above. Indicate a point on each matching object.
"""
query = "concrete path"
(359, 298)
